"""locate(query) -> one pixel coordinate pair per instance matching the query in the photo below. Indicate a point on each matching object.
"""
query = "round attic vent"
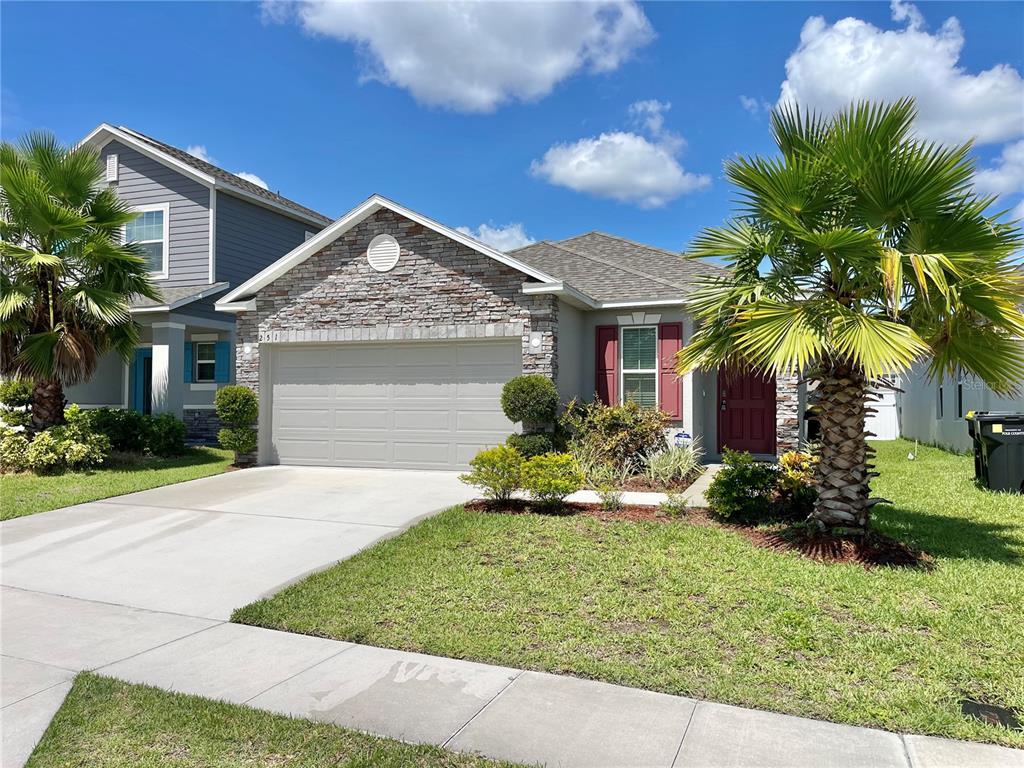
(383, 253)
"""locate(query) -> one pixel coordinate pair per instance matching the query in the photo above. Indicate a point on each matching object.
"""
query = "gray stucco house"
(204, 230)
(384, 341)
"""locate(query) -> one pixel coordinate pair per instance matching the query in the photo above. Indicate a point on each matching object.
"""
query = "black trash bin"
(998, 449)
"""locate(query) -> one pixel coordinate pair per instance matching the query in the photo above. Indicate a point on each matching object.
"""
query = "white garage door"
(422, 405)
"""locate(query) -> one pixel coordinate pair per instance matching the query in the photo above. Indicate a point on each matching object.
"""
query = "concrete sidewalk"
(498, 711)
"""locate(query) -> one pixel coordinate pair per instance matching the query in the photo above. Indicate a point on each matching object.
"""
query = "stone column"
(787, 414)
(168, 368)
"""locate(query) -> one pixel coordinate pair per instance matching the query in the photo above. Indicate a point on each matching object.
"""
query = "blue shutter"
(222, 362)
(188, 362)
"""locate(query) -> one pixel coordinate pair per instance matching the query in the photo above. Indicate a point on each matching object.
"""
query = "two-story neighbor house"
(384, 341)
(205, 231)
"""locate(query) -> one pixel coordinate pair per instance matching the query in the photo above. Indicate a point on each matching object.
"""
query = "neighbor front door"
(746, 411)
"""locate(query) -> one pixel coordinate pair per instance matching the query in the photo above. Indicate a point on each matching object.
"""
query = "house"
(204, 231)
(933, 411)
(384, 341)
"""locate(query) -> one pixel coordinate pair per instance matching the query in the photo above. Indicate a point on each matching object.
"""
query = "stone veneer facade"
(440, 289)
(201, 426)
(787, 414)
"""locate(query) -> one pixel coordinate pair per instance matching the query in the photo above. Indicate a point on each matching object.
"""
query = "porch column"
(168, 368)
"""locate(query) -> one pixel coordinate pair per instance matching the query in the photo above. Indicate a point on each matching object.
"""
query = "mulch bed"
(873, 550)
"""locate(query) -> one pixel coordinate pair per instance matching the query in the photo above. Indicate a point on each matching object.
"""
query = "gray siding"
(250, 237)
(142, 181)
(106, 387)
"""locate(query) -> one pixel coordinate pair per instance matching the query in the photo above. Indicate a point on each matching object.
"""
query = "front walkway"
(138, 588)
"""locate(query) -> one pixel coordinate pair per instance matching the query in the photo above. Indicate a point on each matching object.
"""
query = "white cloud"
(199, 150)
(624, 166)
(504, 238)
(1017, 214)
(853, 60)
(754, 106)
(1006, 176)
(252, 178)
(476, 56)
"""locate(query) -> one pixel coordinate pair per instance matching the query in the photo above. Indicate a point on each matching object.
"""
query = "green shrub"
(530, 398)
(796, 493)
(674, 506)
(744, 489)
(44, 455)
(165, 435)
(126, 429)
(16, 402)
(607, 481)
(241, 440)
(615, 434)
(16, 393)
(63, 448)
(236, 405)
(13, 451)
(531, 445)
(672, 465)
(497, 472)
(551, 477)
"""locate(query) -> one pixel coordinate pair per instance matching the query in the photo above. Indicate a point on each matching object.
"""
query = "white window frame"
(196, 361)
(166, 209)
(654, 370)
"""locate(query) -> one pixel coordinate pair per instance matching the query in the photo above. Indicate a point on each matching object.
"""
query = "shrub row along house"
(383, 338)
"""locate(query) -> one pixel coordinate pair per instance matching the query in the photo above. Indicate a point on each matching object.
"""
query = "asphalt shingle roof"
(226, 176)
(179, 295)
(610, 268)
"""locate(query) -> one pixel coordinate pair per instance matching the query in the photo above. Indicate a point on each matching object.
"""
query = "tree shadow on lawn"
(128, 463)
(953, 537)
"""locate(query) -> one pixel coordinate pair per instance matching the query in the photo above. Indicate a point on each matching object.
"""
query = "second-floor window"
(150, 230)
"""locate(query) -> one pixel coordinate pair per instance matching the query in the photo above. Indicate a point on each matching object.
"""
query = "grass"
(700, 611)
(26, 494)
(105, 722)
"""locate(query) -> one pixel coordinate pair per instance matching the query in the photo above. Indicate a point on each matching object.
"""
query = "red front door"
(746, 411)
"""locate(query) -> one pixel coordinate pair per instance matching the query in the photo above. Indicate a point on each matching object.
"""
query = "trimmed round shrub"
(16, 393)
(551, 477)
(530, 398)
(165, 435)
(236, 405)
(744, 489)
(496, 471)
(241, 440)
(531, 445)
(16, 402)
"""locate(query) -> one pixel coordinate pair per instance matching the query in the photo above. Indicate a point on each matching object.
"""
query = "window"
(149, 230)
(640, 365)
(206, 361)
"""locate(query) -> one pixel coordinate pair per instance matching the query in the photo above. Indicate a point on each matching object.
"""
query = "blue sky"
(557, 118)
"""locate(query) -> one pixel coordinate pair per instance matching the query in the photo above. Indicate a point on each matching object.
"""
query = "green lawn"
(26, 494)
(700, 611)
(105, 723)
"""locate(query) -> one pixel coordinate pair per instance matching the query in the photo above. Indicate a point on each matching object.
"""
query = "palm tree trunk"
(47, 404)
(843, 470)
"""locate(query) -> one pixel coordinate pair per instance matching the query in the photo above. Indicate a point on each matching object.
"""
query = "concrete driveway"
(96, 584)
(206, 547)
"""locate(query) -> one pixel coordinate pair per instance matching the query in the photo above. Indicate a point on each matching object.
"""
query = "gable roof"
(235, 300)
(613, 269)
(205, 173)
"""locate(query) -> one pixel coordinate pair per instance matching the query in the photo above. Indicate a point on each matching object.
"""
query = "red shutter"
(670, 341)
(606, 359)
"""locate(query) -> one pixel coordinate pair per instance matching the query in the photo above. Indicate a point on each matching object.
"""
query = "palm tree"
(65, 277)
(858, 252)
